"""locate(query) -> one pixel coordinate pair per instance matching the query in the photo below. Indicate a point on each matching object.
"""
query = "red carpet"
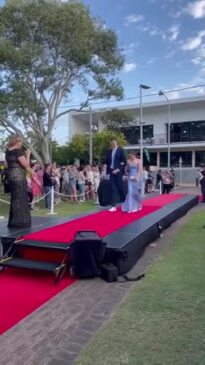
(162, 200)
(22, 292)
(103, 223)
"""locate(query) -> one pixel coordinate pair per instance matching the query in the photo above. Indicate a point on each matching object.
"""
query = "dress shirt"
(113, 157)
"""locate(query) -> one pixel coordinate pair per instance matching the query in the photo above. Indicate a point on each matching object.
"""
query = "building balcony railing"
(161, 139)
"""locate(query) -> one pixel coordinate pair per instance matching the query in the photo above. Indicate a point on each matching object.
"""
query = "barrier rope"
(36, 201)
(4, 201)
(71, 196)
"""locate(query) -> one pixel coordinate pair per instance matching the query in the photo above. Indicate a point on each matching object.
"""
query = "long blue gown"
(133, 199)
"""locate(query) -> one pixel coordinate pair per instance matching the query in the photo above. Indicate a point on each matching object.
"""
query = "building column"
(193, 158)
(158, 160)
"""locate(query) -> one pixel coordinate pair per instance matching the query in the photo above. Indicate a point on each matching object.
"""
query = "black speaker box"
(109, 272)
(86, 254)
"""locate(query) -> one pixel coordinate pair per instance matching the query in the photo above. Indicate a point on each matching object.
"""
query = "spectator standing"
(158, 179)
(81, 184)
(72, 184)
(202, 183)
(166, 179)
(96, 180)
(47, 185)
(89, 182)
(36, 188)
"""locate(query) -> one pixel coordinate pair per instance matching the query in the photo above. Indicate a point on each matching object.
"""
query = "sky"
(163, 42)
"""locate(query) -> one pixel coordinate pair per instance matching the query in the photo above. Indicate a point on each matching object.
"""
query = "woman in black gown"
(17, 160)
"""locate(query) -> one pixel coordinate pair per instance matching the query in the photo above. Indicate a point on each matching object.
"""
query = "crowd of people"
(71, 183)
(125, 179)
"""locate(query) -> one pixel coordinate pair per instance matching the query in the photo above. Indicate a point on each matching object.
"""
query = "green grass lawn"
(162, 320)
(62, 209)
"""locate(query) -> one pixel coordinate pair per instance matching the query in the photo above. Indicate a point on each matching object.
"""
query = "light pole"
(162, 93)
(145, 87)
(90, 136)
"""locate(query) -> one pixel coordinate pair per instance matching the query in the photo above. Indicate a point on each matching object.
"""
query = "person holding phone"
(18, 165)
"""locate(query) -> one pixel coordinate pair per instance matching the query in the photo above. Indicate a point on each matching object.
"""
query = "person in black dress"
(17, 161)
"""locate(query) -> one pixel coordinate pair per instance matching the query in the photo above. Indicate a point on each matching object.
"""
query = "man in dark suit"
(116, 162)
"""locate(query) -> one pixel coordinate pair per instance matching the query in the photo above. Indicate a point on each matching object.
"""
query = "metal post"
(180, 170)
(161, 93)
(141, 128)
(91, 137)
(160, 187)
(145, 87)
(52, 192)
(168, 135)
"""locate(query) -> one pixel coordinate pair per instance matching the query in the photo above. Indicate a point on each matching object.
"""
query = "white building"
(187, 132)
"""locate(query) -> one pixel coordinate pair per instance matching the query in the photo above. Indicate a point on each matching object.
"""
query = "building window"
(132, 134)
(187, 131)
(199, 158)
(174, 159)
(153, 158)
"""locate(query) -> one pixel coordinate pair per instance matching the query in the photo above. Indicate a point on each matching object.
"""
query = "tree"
(79, 145)
(48, 50)
(115, 119)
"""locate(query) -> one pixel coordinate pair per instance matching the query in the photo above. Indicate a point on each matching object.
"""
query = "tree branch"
(84, 105)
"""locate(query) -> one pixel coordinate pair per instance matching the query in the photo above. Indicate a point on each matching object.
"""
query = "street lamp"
(92, 128)
(144, 87)
(162, 93)
(90, 136)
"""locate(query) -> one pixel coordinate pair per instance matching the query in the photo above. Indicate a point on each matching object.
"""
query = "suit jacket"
(119, 160)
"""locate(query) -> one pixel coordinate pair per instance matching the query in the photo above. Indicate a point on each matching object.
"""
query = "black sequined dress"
(19, 215)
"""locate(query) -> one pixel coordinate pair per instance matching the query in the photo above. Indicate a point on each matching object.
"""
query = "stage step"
(12, 256)
(42, 245)
(29, 264)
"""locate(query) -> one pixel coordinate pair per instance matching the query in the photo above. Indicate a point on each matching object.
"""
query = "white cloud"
(175, 95)
(179, 64)
(201, 52)
(196, 9)
(130, 48)
(195, 42)
(170, 54)
(199, 59)
(173, 32)
(196, 61)
(192, 43)
(128, 67)
(133, 18)
(198, 79)
(175, 14)
(151, 60)
(143, 28)
(155, 31)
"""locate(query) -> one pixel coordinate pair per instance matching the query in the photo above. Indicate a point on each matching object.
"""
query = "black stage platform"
(126, 245)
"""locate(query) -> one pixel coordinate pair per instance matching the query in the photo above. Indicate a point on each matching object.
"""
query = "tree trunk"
(46, 151)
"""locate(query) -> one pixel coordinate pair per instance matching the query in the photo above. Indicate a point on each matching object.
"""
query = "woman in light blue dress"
(133, 201)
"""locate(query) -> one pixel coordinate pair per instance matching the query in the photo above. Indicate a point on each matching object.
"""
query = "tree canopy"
(115, 119)
(49, 51)
(79, 145)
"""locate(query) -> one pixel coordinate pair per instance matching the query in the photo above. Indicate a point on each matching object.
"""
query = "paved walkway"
(56, 332)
